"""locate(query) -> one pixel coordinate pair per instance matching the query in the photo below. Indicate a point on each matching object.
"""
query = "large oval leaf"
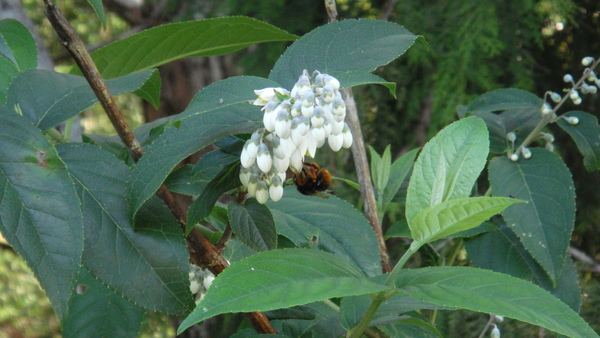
(148, 266)
(209, 118)
(492, 292)
(280, 278)
(49, 98)
(448, 166)
(40, 215)
(545, 223)
(329, 224)
(349, 50)
(18, 53)
(253, 225)
(99, 312)
(159, 45)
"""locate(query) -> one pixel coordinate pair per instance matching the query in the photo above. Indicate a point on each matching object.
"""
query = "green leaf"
(586, 135)
(448, 165)
(398, 229)
(333, 224)
(49, 98)
(148, 266)
(450, 217)
(99, 9)
(200, 125)
(226, 179)
(491, 292)
(502, 251)
(99, 312)
(160, 45)
(40, 215)
(545, 223)
(18, 53)
(411, 327)
(17, 45)
(398, 172)
(277, 279)
(380, 170)
(325, 324)
(352, 309)
(505, 99)
(252, 223)
(349, 50)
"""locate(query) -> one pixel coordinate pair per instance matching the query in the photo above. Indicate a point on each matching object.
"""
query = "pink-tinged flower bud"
(586, 61)
(262, 194)
(336, 141)
(264, 159)
(276, 189)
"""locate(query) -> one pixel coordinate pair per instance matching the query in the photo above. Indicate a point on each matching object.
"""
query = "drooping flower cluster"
(296, 123)
(200, 281)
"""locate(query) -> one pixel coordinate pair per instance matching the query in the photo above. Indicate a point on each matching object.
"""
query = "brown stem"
(202, 252)
(224, 238)
(360, 161)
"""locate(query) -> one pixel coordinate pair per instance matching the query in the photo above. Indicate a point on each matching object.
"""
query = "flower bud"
(207, 282)
(328, 94)
(495, 332)
(546, 109)
(276, 189)
(514, 157)
(278, 149)
(262, 194)
(244, 176)
(283, 124)
(332, 81)
(268, 94)
(577, 101)
(281, 164)
(311, 146)
(318, 117)
(296, 160)
(269, 120)
(253, 184)
(555, 97)
(574, 120)
(318, 133)
(347, 136)
(194, 287)
(550, 146)
(498, 319)
(511, 136)
(296, 109)
(264, 159)
(586, 61)
(336, 127)
(574, 94)
(548, 137)
(526, 153)
(568, 78)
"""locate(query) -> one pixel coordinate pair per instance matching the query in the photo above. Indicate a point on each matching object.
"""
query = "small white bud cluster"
(584, 87)
(295, 123)
(549, 138)
(200, 281)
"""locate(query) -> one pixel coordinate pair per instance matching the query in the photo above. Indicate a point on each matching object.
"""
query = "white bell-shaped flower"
(347, 136)
(264, 159)
(268, 94)
(318, 117)
(281, 164)
(328, 93)
(278, 149)
(244, 176)
(276, 189)
(332, 81)
(296, 160)
(336, 141)
(336, 127)
(253, 184)
(283, 124)
(318, 133)
(262, 194)
(311, 145)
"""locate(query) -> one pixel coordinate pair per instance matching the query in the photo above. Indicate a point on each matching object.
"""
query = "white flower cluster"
(296, 123)
(200, 281)
(583, 87)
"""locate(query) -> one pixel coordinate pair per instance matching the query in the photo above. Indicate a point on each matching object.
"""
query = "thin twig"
(203, 253)
(581, 256)
(360, 161)
(224, 238)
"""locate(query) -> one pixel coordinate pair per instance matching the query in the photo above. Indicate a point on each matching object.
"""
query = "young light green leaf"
(40, 216)
(545, 223)
(280, 278)
(380, 170)
(448, 165)
(501, 250)
(17, 45)
(450, 217)
(253, 225)
(49, 98)
(149, 265)
(398, 172)
(586, 135)
(330, 224)
(160, 45)
(198, 127)
(97, 311)
(491, 292)
(326, 49)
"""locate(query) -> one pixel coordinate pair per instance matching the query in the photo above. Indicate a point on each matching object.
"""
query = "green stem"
(455, 250)
(411, 250)
(55, 135)
(68, 125)
(332, 305)
(358, 330)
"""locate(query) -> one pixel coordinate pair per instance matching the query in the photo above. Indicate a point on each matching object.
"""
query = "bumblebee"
(312, 180)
